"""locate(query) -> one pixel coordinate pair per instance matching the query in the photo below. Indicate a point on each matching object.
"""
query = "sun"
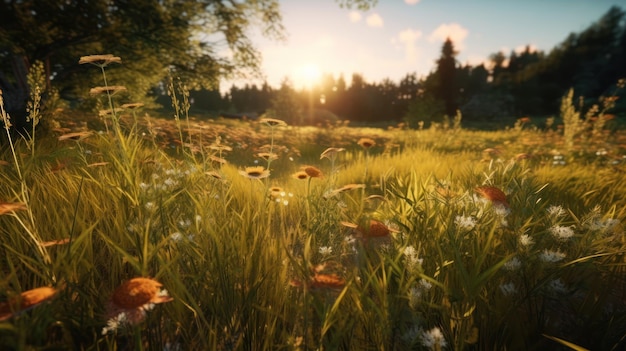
(307, 75)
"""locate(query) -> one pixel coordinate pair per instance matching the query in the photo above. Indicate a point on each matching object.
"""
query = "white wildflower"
(526, 240)
(433, 338)
(551, 256)
(562, 233)
(114, 323)
(555, 211)
(465, 222)
(413, 261)
(513, 264)
(508, 288)
(326, 250)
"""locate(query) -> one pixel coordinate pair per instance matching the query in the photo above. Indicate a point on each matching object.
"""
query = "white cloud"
(408, 39)
(354, 16)
(411, 2)
(454, 31)
(374, 20)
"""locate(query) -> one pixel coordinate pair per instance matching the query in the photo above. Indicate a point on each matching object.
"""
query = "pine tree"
(447, 89)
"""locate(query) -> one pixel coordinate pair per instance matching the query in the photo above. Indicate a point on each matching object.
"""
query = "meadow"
(125, 231)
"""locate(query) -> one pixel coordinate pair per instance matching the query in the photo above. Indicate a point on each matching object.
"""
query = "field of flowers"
(131, 232)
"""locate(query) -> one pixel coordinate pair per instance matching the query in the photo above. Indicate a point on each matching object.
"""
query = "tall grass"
(416, 259)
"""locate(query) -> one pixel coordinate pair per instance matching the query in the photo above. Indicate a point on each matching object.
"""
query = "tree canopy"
(198, 41)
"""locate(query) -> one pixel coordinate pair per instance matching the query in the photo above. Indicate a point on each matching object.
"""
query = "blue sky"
(397, 37)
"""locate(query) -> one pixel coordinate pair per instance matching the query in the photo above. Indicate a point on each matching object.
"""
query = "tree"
(154, 39)
(447, 89)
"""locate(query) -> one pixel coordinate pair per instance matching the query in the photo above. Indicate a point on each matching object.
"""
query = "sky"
(397, 37)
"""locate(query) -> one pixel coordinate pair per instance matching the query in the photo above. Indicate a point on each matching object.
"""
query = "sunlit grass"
(388, 246)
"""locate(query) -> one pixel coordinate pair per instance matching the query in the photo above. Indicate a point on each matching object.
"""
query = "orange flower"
(366, 143)
(138, 292)
(493, 194)
(132, 299)
(26, 300)
(313, 172)
(376, 229)
(7, 207)
(327, 281)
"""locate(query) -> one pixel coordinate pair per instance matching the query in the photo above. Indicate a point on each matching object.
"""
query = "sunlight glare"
(307, 75)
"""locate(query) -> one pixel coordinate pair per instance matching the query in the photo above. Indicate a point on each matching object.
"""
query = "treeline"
(515, 84)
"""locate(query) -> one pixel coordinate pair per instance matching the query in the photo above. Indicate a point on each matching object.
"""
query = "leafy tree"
(154, 39)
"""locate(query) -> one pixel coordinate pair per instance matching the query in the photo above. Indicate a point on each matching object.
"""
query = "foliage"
(156, 38)
(381, 239)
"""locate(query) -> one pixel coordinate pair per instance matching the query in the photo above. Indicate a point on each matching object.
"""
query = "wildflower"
(8, 207)
(132, 106)
(109, 112)
(465, 222)
(413, 260)
(555, 211)
(523, 156)
(302, 175)
(267, 156)
(508, 288)
(562, 233)
(75, 136)
(366, 143)
(26, 300)
(100, 60)
(331, 152)
(327, 281)
(255, 172)
(111, 89)
(526, 240)
(513, 264)
(326, 250)
(218, 160)
(132, 299)
(493, 194)
(272, 122)
(376, 229)
(312, 172)
(433, 339)
(551, 256)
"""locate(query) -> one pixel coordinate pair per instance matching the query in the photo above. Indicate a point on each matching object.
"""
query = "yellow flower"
(267, 156)
(75, 136)
(112, 89)
(257, 172)
(302, 175)
(132, 106)
(272, 122)
(100, 60)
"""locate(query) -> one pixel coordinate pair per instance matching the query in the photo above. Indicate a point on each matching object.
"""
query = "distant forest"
(527, 83)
